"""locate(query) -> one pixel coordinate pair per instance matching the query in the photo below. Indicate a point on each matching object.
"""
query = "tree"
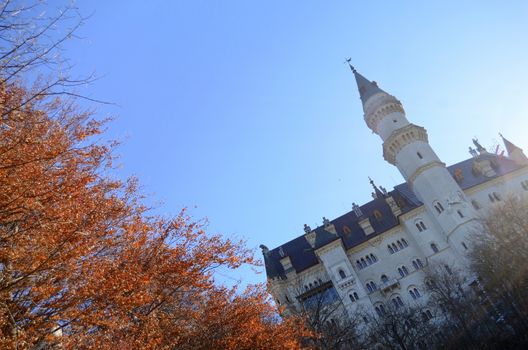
(499, 260)
(324, 314)
(400, 327)
(83, 263)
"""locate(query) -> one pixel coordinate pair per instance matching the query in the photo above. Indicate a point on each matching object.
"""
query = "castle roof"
(302, 254)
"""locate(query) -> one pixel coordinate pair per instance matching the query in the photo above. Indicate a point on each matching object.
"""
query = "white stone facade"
(433, 227)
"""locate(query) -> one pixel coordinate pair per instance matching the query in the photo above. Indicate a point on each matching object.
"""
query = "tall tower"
(406, 146)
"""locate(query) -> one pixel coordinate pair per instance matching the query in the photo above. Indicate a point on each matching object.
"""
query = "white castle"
(376, 253)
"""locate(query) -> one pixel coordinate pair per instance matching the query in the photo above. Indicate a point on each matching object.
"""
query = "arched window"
(439, 207)
(397, 301)
(400, 245)
(419, 155)
(351, 298)
(395, 247)
(380, 310)
(418, 227)
(434, 247)
(390, 249)
(475, 204)
(491, 198)
(404, 242)
(415, 294)
(356, 295)
(374, 259)
(310, 285)
(369, 260)
(460, 213)
(411, 292)
(358, 263)
(384, 279)
(421, 226)
(363, 262)
(419, 262)
(342, 274)
(415, 264)
(315, 283)
(400, 271)
(369, 288)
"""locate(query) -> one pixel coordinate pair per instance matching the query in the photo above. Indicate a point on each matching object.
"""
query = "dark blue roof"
(347, 226)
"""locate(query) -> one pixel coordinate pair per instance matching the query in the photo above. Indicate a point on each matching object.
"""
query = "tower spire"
(514, 152)
(366, 87)
(377, 192)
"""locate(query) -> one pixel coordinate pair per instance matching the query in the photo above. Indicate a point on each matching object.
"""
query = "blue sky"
(244, 112)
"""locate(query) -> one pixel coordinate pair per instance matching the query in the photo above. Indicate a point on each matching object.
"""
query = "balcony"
(346, 282)
(389, 285)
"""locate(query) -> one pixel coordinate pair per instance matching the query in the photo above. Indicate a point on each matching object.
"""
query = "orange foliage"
(83, 266)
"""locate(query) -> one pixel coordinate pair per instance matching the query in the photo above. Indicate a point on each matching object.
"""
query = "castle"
(376, 253)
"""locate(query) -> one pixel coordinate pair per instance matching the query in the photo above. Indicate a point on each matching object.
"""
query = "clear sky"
(244, 112)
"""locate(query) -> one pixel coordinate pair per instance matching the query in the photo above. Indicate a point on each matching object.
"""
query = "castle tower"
(406, 146)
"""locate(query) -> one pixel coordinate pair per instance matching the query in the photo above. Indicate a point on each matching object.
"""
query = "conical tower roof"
(366, 87)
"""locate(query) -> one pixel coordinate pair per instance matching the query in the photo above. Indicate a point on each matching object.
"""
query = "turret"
(514, 152)
(406, 146)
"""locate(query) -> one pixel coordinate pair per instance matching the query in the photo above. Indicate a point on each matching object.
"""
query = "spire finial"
(377, 193)
(348, 60)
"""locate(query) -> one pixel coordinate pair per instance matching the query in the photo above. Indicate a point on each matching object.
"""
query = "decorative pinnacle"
(347, 60)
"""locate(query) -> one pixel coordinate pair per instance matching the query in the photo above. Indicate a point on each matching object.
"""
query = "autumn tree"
(83, 263)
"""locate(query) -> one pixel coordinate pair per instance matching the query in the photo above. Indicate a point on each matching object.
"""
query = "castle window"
(415, 265)
(403, 271)
(404, 242)
(371, 286)
(390, 249)
(384, 279)
(358, 263)
(397, 301)
(491, 197)
(380, 310)
(419, 155)
(363, 262)
(374, 259)
(415, 294)
(310, 285)
(439, 207)
(475, 204)
(434, 247)
(464, 245)
(460, 213)
(342, 274)
(421, 226)
(353, 297)
(369, 260)
(395, 247)
(400, 245)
